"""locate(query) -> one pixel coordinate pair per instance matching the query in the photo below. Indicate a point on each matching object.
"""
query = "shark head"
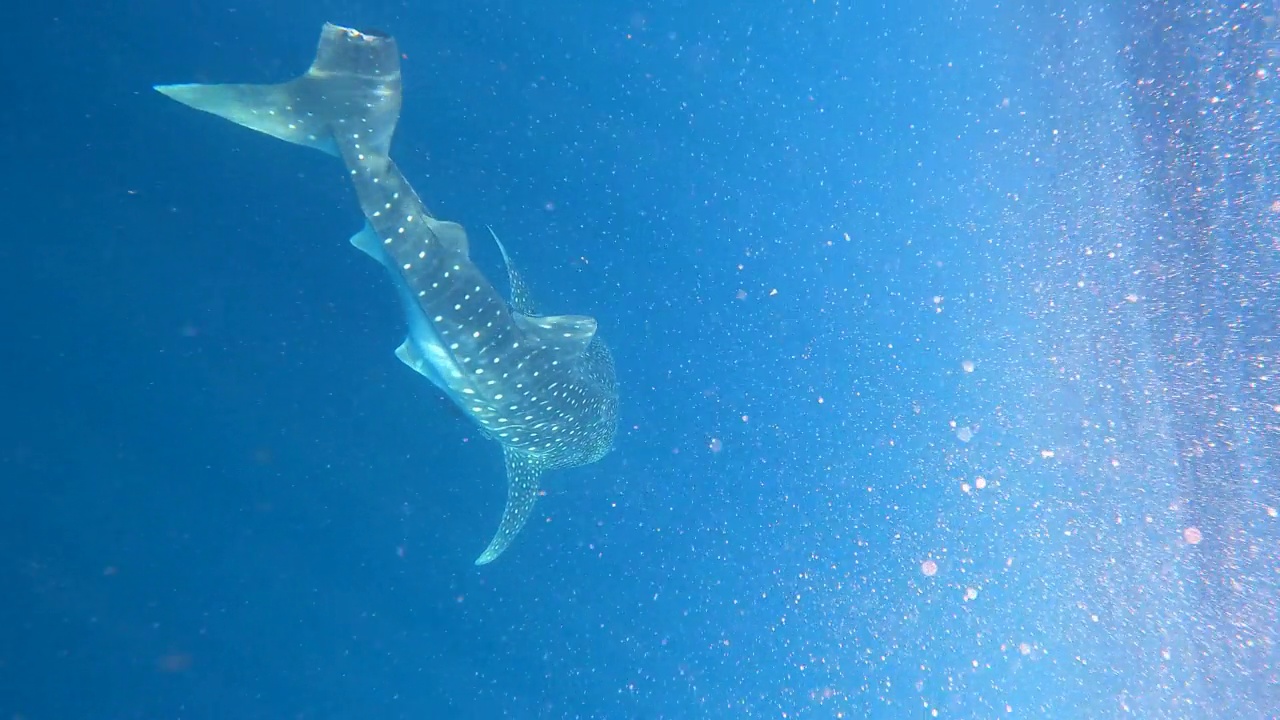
(541, 386)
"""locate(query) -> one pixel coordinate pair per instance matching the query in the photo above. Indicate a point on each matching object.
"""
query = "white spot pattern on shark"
(550, 399)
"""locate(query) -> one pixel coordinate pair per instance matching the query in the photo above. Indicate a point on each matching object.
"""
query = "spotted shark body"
(542, 386)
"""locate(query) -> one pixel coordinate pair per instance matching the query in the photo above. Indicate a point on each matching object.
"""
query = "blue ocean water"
(946, 337)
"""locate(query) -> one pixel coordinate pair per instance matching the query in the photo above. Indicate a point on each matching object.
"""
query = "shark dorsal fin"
(521, 299)
(568, 335)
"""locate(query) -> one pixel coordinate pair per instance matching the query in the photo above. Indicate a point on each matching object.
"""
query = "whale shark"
(541, 386)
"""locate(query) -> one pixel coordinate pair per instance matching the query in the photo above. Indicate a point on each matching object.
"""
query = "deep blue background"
(225, 498)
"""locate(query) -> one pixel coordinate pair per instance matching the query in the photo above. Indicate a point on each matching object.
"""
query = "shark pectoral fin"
(521, 299)
(568, 334)
(523, 471)
(353, 83)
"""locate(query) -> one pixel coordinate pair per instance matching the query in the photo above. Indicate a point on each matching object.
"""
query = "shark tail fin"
(352, 87)
(523, 472)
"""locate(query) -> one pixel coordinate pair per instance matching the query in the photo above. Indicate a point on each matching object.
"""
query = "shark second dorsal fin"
(451, 235)
(521, 299)
(523, 471)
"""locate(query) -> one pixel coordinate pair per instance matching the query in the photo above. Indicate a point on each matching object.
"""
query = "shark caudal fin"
(353, 86)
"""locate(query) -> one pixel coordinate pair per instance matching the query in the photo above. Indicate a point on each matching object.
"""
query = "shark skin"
(541, 386)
